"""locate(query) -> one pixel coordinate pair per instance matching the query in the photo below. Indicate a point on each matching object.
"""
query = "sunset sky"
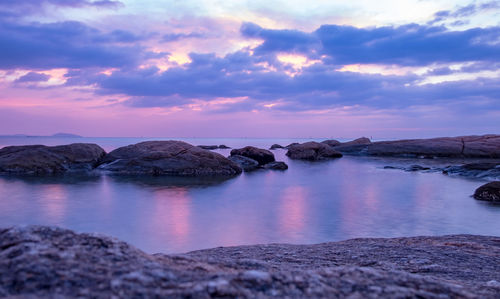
(387, 69)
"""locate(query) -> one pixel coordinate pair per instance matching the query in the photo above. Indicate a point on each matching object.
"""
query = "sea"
(311, 202)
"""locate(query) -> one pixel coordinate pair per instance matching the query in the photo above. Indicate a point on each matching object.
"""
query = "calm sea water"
(309, 203)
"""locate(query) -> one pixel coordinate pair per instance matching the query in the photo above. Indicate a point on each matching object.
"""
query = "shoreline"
(44, 262)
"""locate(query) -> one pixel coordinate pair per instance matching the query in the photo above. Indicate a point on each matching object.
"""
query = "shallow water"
(309, 203)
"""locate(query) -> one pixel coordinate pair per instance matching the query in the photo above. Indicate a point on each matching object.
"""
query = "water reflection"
(308, 203)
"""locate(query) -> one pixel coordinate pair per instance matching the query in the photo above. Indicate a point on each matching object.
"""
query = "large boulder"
(244, 162)
(41, 159)
(47, 262)
(260, 155)
(487, 146)
(489, 192)
(312, 151)
(167, 158)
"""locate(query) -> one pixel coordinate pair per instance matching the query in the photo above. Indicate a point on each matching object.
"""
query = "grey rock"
(41, 159)
(487, 146)
(47, 262)
(276, 146)
(260, 155)
(331, 142)
(244, 162)
(312, 151)
(489, 192)
(175, 158)
(277, 165)
(359, 141)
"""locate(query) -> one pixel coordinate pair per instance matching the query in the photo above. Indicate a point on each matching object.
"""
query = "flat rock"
(49, 262)
(260, 155)
(276, 165)
(487, 146)
(245, 163)
(41, 159)
(489, 192)
(358, 141)
(175, 158)
(312, 151)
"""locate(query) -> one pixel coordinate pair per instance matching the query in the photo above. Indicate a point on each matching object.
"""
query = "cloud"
(464, 11)
(68, 44)
(407, 45)
(173, 37)
(33, 77)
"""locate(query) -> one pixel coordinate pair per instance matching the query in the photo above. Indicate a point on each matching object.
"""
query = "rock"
(489, 192)
(475, 170)
(277, 165)
(208, 147)
(312, 151)
(487, 146)
(40, 159)
(275, 146)
(175, 158)
(260, 155)
(48, 262)
(244, 162)
(292, 144)
(359, 141)
(410, 168)
(223, 146)
(331, 142)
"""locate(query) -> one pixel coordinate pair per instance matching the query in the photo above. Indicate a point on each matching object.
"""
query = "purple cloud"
(409, 45)
(33, 77)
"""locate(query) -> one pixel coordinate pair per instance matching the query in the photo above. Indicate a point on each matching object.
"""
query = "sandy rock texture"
(48, 262)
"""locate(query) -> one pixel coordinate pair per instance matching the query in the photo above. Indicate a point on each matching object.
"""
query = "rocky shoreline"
(48, 262)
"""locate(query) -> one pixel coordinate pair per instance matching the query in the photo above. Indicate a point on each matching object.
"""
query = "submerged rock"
(244, 162)
(475, 170)
(487, 146)
(41, 159)
(489, 192)
(312, 151)
(47, 262)
(276, 146)
(277, 165)
(167, 158)
(260, 155)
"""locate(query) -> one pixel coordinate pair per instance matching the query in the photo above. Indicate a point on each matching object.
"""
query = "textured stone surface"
(167, 158)
(487, 146)
(260, 155)
(45, 262)
(245, 163)
(331, 142)
(489, 192)
(40, 159)
(276, 165)
(312, 151)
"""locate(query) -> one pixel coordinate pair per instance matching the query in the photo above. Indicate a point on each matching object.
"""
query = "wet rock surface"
(167, 158)
(47, 262)
(312, 151)
(40, 159)
(488, 192)
(245, 163)
(487, 146)
(276, 165)
(212, 147)
(260, 155)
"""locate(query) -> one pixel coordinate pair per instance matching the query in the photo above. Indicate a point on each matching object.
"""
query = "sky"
(332, 69)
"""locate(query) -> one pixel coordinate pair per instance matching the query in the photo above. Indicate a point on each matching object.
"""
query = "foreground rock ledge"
(46, 262)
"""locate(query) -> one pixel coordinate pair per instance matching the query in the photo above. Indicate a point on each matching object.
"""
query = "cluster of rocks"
(49, 262)
(486, 146)
(251, 158)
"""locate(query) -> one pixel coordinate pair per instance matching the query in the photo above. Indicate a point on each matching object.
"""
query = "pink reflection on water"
(53, 203)
(171, 215)
(292, 210)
